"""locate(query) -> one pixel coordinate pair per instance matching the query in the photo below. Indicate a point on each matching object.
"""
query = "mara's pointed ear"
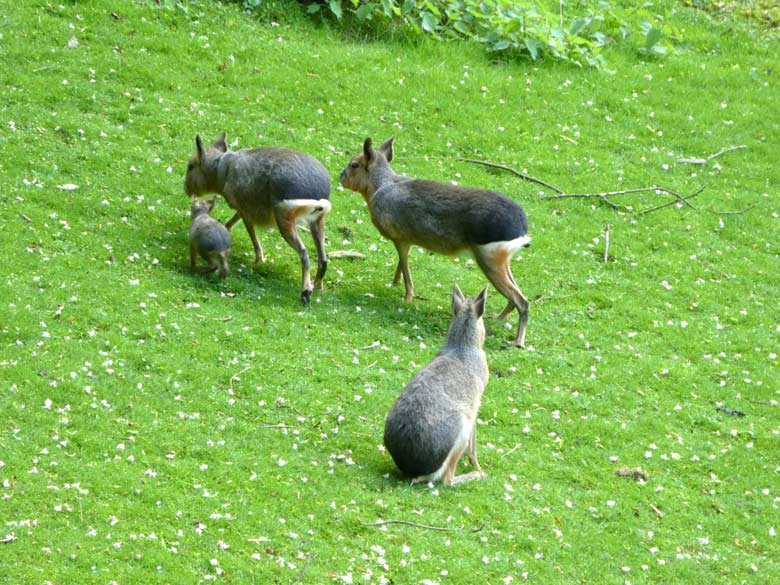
(199, 146)
(458, 300)
(480, 302)
(220, 143)
(368, 151)
(386, 148)
(211, 202)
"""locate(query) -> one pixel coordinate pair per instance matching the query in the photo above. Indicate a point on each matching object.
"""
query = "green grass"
(161, 426)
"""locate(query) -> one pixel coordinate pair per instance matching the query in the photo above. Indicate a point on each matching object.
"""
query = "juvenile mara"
(433, 422)
(443, 218)
(209, 239)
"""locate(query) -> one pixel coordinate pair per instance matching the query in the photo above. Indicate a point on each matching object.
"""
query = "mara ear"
(199, 146)
(480, 301)
(220, 143)
(368, 151)
(458, 300)
(211, 202)
(386, 148)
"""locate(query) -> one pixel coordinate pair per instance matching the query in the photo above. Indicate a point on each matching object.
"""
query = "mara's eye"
(354, 165)
(190, 166)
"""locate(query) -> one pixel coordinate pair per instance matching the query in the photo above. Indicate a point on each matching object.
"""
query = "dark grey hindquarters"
(445, 217)
(427, 418)
(260, 177)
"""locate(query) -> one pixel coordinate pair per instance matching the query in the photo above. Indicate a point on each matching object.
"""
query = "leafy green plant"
(524, 28)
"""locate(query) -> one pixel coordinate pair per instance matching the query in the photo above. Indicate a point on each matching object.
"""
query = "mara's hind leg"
(317, 227)
(510, 306)
(210, 260)
(493, 259)
(287, 227)
(403, 269)
(465, 443)
(193, 256)
(224, 267)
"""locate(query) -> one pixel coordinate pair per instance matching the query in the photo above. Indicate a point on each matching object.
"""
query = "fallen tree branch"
(604, 195)
(405, 523)
(735, 212)
(523, 176)
(704, 161)
(668, 203)
(658, 512)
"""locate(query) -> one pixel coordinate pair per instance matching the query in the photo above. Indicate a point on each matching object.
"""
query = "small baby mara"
(433, 422)
(209, 239)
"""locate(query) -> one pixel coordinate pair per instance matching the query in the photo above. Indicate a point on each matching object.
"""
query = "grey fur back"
(253, 181)
(445, 218)
(209, 235)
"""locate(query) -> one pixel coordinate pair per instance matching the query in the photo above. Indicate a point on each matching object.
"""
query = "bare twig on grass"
(606, 243)
(668, 203)
(346, 254)
(740, 212)
(523, 176)
(416, 525)
(604, 195)
(299, 578)
(512, 450)
(658, 512)
(237, 376)
(405, 523)
(704, 161)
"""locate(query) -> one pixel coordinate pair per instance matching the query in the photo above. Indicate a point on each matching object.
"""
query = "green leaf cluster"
(526, 29)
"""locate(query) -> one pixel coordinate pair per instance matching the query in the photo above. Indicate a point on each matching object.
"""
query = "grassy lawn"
(162, 426)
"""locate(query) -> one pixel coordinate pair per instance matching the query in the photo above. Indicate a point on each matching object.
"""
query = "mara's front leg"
(250, 228)
(403, 269)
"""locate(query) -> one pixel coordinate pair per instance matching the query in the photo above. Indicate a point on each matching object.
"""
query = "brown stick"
(606, 244)
(513, 171)
(734, 212)
(704, 161)
(604, 194)
(405, 523)
(668, 203)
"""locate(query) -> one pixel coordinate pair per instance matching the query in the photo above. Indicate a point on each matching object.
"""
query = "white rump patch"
(509, 246)
(307, 209)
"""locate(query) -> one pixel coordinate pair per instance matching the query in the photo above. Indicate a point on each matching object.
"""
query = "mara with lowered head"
(433, 422)
(267, 186)
(443, 218)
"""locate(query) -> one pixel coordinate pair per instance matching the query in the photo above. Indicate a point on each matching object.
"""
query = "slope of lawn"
(162, 426)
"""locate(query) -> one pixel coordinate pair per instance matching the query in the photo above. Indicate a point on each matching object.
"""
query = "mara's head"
(200, 171)
(358, 173)
(467, 322)
(201, 206)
